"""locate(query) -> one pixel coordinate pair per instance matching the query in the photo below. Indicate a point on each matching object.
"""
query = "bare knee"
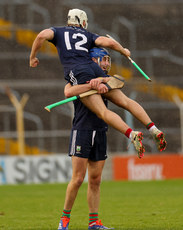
(102, 114)
(95, 181)
(77, 181)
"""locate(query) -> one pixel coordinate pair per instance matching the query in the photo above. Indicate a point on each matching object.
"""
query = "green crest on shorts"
(78, 148)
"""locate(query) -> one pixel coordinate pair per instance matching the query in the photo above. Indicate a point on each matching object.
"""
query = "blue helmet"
(98, 53)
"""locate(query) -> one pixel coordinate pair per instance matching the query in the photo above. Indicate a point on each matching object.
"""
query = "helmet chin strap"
(78, 20)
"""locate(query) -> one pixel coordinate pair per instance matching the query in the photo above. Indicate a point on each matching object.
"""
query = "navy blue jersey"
(84, 119)
(73, 45)
(84, 73)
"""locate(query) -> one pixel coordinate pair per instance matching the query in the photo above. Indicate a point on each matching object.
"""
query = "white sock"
(152, 128)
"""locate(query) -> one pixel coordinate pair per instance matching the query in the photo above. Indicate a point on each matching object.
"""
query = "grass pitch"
(154, 205)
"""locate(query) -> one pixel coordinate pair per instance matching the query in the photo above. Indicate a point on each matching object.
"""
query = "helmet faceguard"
(99, 54)
(77, 17)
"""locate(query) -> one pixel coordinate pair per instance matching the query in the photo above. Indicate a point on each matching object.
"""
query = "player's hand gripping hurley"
(135, 64)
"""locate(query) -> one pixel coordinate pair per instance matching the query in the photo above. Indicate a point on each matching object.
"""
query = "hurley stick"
(139, 69)
(115, 82)
(133, 62)
(88, 93)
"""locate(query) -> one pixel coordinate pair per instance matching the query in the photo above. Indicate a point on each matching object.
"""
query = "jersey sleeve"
(93, 37)
(54, 40)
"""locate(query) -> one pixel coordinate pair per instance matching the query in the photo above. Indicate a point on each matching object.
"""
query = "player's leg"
(93, 195)
(95, 167)
(79, 166)
(119, 98)
(94, 179)
(96, 104)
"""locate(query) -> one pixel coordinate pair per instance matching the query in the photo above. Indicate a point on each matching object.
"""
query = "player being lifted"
(73, 43)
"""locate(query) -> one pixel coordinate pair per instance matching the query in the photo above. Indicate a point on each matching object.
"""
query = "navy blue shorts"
(84, 73)
(88, 144)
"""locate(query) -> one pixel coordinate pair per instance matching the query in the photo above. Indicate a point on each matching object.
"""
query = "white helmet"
(77, 17)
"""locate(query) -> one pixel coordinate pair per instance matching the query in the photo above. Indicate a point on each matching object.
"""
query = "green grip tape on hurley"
(49, 107)
(139, 69)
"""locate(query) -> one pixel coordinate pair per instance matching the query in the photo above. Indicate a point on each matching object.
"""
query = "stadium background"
(151, 29)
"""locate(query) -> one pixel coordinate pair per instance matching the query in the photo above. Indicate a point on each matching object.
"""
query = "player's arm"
(75, 90)
(112, 44)
(44, 35)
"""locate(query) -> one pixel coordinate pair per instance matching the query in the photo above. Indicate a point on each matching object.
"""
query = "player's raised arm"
(112, 44)
(44, 35)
